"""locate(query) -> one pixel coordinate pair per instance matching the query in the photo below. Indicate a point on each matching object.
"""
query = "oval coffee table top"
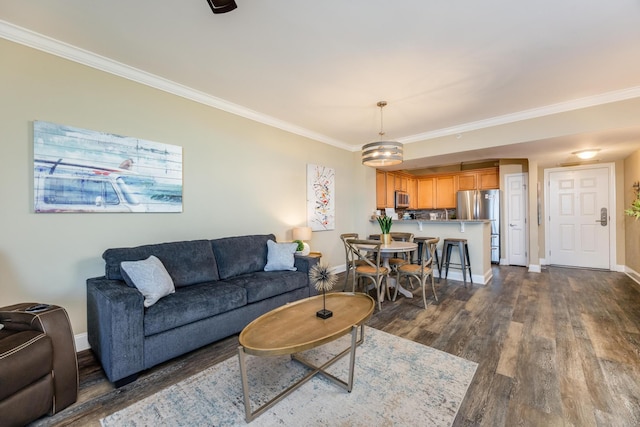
(295, 327)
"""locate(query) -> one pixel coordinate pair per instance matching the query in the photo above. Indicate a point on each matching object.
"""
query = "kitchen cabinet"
(445, 192)
(401, 182)
(381, 190)
(412, 189)
(436, 191)
(488, 179)
(425, 193)
(391, 190)
(467, 181)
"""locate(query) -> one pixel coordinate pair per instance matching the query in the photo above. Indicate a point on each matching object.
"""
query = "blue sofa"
(220, 286)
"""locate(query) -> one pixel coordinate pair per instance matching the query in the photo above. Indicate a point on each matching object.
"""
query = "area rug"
(397, 383)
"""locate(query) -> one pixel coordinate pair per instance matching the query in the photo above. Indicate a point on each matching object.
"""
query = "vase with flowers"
(385, 228)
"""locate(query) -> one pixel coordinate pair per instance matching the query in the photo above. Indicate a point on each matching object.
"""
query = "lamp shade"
(382, 153)
(302, 233)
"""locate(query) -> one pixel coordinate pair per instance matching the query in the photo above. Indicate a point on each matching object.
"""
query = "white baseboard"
(635, 276)
(82, 342)
(503, 261)
(535, 268)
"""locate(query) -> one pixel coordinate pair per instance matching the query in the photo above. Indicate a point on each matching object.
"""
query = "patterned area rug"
(397, 382)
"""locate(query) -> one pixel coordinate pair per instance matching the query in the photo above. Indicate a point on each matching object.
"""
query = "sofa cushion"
(261, 285)
(241, 254)
(280, 256)
(192, 303)
(148, 276)
(187, 262)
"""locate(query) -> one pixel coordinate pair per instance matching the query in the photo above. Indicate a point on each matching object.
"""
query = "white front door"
(516, 218)
(579, 217)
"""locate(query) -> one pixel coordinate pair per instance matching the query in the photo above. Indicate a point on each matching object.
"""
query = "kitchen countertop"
(438, 221)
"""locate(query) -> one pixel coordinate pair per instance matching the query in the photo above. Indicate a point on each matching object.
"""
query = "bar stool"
(463, 250)
(420, 241)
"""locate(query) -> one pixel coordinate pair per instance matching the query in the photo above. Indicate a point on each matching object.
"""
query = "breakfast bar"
(477, 233)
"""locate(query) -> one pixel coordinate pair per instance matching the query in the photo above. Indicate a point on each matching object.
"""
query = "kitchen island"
(477, 233)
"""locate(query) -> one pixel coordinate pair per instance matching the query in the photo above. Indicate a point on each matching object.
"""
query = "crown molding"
(55, 47)
(73, 53)
(534, 113)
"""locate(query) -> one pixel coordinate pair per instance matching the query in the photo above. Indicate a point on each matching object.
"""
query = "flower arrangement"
(323, 279)
(385, 224)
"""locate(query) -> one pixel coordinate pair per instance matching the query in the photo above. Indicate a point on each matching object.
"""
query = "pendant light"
(382, 153)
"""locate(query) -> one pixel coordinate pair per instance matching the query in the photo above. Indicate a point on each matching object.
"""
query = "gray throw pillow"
(150, 277)
(280, 256)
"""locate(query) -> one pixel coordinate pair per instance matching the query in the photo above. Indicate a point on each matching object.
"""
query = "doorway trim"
(613, 265)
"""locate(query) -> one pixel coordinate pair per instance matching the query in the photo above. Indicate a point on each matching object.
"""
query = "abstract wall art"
(320, 198)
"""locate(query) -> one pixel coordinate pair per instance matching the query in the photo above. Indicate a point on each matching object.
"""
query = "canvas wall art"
(320, 198)
(79, 170)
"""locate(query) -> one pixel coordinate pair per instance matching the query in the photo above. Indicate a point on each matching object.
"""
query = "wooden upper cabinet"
(467, 181)
(412, 189)
(391, 190)
(401, 183)
(432, 191)
(426, 192)
(488, 179)
(381, 190)
(445, 192)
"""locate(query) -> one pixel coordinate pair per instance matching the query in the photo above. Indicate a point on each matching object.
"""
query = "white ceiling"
(318, 68)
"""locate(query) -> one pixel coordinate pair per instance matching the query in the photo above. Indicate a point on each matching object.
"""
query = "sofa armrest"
(305, 263)
(53, 321)
(115, 326)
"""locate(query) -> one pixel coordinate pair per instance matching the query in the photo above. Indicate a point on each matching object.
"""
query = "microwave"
(402, 199)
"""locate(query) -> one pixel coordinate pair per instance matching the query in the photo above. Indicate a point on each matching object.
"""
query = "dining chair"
(421, 271)
(350, 260)
(405, 258)
(372, 267)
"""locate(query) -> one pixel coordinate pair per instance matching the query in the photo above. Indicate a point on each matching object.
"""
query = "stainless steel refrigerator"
(482, 204)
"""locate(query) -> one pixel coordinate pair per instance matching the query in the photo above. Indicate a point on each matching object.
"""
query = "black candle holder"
(324, 313)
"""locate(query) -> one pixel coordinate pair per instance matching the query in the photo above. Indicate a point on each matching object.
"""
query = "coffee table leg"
(352, 358)
(355, 342)
(245, 384)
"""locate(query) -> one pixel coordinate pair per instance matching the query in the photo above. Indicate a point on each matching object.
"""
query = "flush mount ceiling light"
(382, 153)
(587, 154)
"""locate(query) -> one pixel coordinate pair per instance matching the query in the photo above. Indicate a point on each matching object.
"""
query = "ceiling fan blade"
(222, 6)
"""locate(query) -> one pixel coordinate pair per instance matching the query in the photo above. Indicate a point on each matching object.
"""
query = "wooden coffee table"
(295, 327)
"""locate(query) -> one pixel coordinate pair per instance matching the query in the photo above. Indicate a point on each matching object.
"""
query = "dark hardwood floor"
(561, 347)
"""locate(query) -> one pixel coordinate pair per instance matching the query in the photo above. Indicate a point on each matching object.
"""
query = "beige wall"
(631, 225)
(240, 177)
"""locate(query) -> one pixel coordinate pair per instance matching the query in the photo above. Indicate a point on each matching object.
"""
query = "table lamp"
(303, 234)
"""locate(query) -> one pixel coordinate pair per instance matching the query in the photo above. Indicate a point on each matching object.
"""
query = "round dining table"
(386, 252)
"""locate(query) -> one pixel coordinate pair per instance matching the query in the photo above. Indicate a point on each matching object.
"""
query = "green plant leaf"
(385, 224)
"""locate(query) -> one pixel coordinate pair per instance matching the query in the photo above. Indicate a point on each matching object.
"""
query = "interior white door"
(579, 218)
(516, 218)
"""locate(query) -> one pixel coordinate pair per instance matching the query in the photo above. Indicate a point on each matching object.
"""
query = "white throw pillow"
(150, 277)
(280, 256)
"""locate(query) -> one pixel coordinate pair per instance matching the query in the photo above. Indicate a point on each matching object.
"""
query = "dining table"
(386, 252)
